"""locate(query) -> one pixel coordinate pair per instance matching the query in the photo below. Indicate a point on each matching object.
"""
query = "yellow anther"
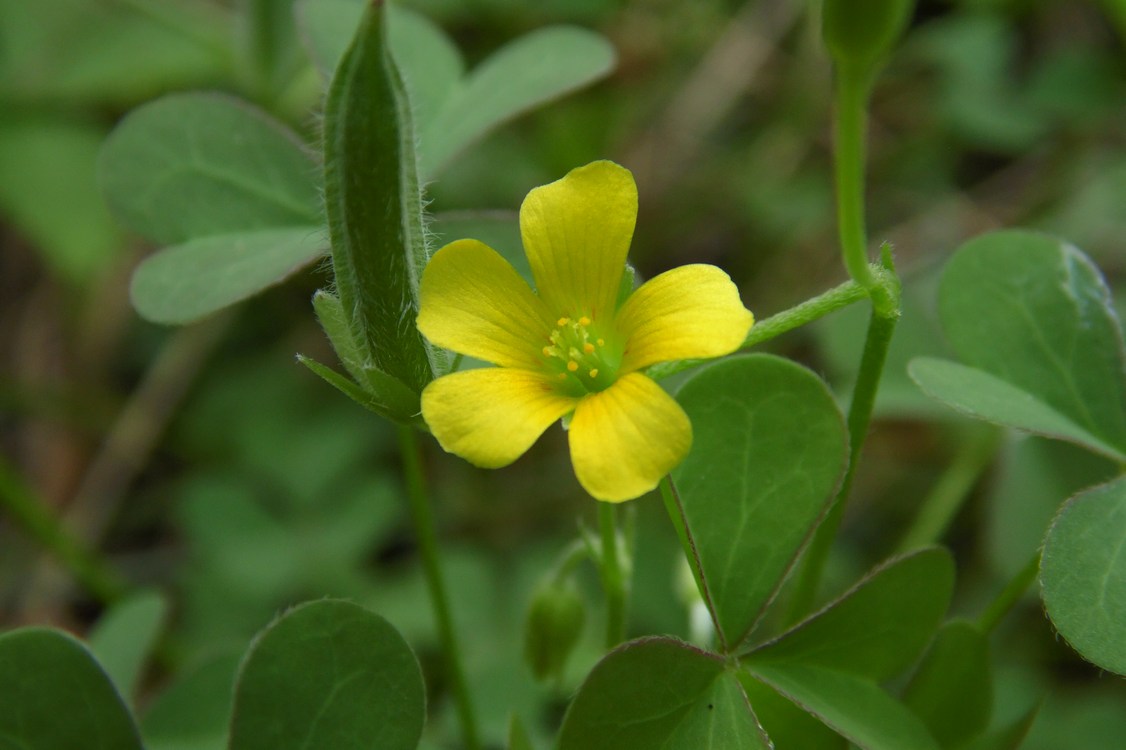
(562, 321)
(602, 342)
(547, 351)
(584, 321)
(594, 373)
(588, 348)
(572, 365)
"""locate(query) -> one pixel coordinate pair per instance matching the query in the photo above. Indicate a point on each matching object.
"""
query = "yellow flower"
(570, 348)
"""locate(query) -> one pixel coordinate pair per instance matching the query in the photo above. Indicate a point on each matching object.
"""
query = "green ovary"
(581, 356)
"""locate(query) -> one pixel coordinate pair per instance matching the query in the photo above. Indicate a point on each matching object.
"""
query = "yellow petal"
(472, 301)
(576, 233)
(490, 416)
(625, 438)
(691, 312)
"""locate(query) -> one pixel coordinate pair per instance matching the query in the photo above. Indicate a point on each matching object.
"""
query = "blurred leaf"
(328, 674)
(979, 394)
(857, 709)
(76, 50)
(1083, 574)
(269, 47)
(1009, 737)
(788, 725)
(124, 636)
(876, 629)
(194, 712)
(186, 282)
(55, 695)
(1035, 315)
(527, 72)
(189, 166)
(952, 690)
(1035, 476)
(49, 191)
(658, 692)
(753, 486)
(374, 207)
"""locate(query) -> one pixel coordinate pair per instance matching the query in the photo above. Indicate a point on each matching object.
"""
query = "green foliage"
(1050, 359)
(328, 674)
(1083, 572)
(552, 628)
(658, 692)
(952, 689)
(55, 695)
(752, 488)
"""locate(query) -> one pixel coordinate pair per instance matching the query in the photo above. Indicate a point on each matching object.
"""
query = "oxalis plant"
(656, 387)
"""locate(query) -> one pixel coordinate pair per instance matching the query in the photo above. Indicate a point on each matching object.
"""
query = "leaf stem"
(1010, 595)
(423, 520)
(613, 577)
(675, 509)
(31, 513)
(953, 489)
(830, 301)
(880, 330)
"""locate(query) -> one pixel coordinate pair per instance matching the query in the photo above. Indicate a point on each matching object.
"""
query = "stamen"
(562, 321)
(547, 351)
(588, 348)
(572, 365)
(584, 321)
(602, 342)
(594, 373)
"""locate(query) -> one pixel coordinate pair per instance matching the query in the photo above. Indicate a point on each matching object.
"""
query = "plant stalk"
(613, 577)
(1009, 596)
(423, 520)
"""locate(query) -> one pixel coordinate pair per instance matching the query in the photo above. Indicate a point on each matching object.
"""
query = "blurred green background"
(203, 461)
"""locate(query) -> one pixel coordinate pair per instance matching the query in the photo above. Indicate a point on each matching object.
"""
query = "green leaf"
(183, 283)
(195, 711)
(54, 695)
(49, 191)
(979, 394)
(659, 692)
(125, 635)
(952, 690)
(328, 674)
(374, 207)
(1083, 574)
(534, 69)
(1034, 312)
(876, 629)
(788, 725)
(188, 166)
(381, 393)
(768, 452)
(855, 708)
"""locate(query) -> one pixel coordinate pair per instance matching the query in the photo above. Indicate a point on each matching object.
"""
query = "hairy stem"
(613, 577)
(1010, 595)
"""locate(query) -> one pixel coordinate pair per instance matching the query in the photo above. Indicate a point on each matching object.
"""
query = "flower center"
(581, 357)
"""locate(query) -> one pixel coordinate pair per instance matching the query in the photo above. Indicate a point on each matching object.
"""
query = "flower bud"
(554, 623)
(860, 33)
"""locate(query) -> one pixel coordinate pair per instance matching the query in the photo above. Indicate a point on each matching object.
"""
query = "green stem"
(423, 520)
(838, 297)
(850, 129)
(1010, 595)
(880, 330)
(613, 578)
(675, 510)
(29, 511)
(952, 490)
